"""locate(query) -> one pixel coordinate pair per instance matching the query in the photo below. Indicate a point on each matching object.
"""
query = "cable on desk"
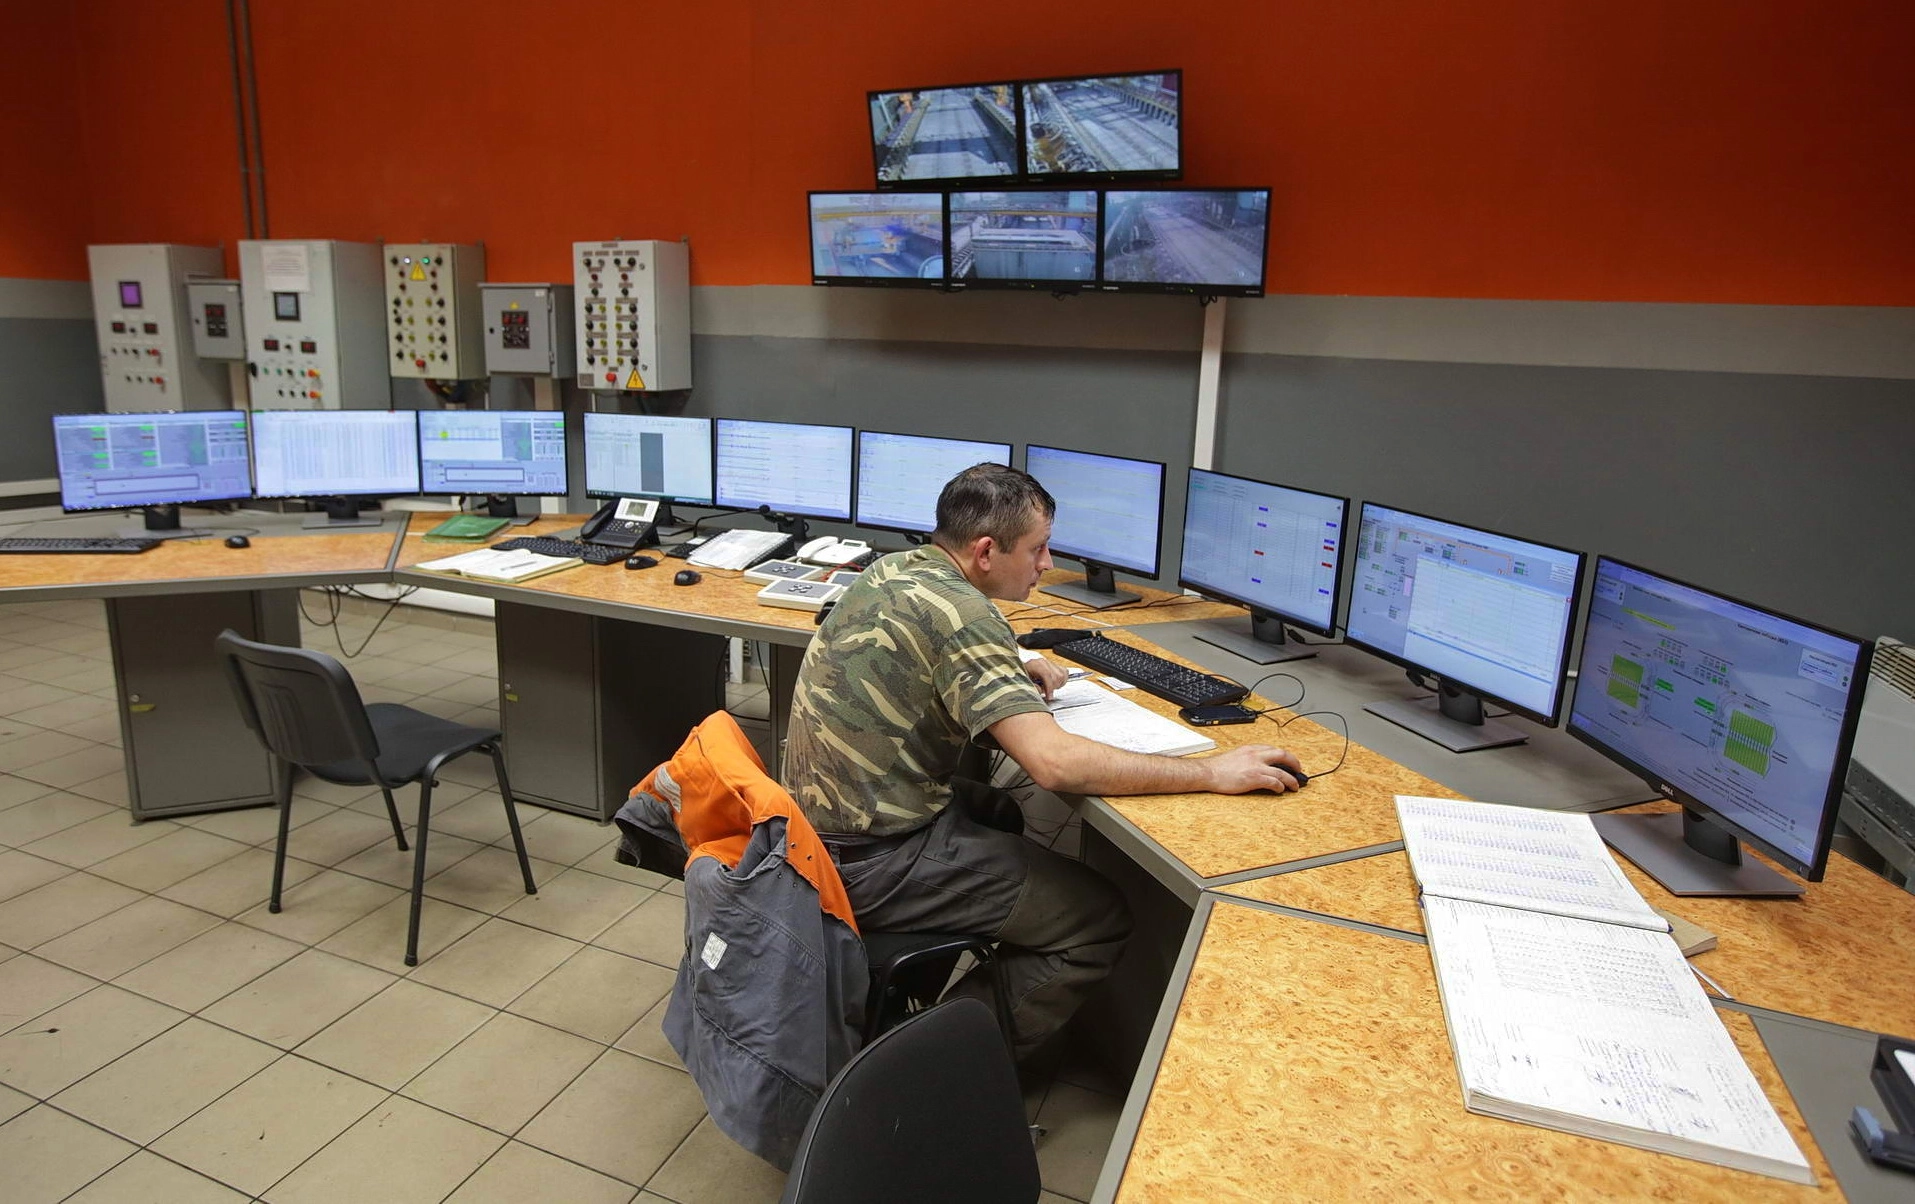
(1090, 614)
(1302, 690)
(1341, 757)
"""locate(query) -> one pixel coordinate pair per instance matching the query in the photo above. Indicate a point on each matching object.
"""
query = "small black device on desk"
(1893, 1074)
(544, 545)
(1150, 673)
(238, 541)
(1217, 716)
(22, 543)
(1050, 637)
(687, 577)
(641, 562)
(625, 523)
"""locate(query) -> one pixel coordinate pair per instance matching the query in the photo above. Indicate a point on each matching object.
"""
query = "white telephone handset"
(830, 550)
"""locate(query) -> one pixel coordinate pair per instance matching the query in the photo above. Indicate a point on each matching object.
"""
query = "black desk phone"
(623, 522)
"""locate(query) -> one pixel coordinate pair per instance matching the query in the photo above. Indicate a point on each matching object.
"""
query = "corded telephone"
(830, 551)
(623, 522)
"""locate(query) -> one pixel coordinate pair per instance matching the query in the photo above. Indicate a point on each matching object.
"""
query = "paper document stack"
(1088, 710)
(488, 564)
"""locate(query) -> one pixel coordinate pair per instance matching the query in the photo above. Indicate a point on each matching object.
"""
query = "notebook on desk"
(1086, 709)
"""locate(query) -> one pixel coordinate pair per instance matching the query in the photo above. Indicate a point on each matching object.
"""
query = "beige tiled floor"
(163, 1037)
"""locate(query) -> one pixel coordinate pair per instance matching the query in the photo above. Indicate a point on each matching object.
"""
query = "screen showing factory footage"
(1186, 240)
(877, 238)
(1024, 237)
(958, 133)
(1104, 126)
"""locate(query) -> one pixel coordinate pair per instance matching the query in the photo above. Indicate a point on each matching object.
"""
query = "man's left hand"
(1049, 677)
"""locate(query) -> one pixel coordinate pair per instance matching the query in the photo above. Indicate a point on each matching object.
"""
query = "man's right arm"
(1069, 764)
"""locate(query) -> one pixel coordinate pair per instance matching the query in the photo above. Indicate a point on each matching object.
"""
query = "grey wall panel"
(47, 366)
(1793, 492)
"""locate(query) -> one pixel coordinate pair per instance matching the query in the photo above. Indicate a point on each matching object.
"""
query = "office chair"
(929, 1112)
(306, 710)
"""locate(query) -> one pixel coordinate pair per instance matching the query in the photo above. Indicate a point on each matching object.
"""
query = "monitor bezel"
(1106, 285)
(851, 479)
(857, 481)
(1097, 177)
(1343, 550)
(711, 455)
(934, 183)
(1569, 620)
(936, 283)
(253, 428)
(65, 508)
(962, 284)
(1163, 481)
(564, 489)
(1845, 741)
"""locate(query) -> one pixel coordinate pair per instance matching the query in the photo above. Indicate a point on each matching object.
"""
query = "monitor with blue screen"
(1110, 515)
(336, 457)
(901, 476)
(152, 462)
(1277, 550)
(501, 454)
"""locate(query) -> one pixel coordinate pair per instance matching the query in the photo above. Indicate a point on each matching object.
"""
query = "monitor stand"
(163, 522)
(338, 514)
(506, 505)
(1263, 644)
(1691, 856)
(1098, 591)
(1453, 718)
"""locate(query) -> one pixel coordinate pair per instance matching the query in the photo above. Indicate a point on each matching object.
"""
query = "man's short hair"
(993, 500)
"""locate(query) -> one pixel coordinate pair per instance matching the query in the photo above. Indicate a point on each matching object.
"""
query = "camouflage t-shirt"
(911, 665)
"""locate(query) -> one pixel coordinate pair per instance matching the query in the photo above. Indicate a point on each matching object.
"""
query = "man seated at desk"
(914, 664)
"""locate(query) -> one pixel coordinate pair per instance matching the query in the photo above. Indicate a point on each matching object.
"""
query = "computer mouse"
(641, 562)
(238, 541)
(687, 577)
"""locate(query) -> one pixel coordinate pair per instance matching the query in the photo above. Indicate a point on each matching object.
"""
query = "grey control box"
(139, 312)
(528, 329)
(218, 320)
(432, 305)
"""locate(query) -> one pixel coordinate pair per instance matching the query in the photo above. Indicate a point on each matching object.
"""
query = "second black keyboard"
(25, 543)
(590, 553)
(1151, 673)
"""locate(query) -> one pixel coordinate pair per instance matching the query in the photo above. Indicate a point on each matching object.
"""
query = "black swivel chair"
(929, 1112)
(306, 710)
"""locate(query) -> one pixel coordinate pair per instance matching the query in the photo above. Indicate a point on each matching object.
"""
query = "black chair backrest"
(929, 1112)
(302, 705)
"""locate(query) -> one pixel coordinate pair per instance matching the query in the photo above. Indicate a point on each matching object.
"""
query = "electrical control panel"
(634, 314)
(140, 314)
(433, 321)
(315, 324)
(528, 329)
(218, 319)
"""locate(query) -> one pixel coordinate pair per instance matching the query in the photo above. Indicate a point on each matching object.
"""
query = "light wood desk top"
(1157, 606)
(1311, 1062)
(209, 563)
(1837, 953)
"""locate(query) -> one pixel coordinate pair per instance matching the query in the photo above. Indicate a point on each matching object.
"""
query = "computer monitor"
(1277, 550)
(1104, 127)
(1023, 239)
(649, 455)
(1110, 515)
(152, 462)
(894, 239)
(1487, 614)
(1203, 241)
(948, 134)
(336, 458)
(797, 469)
(501, 454)
(1742, 715)
(901, 476)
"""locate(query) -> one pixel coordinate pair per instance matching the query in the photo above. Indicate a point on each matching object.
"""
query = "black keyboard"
(103, 544)
(1165, 679)
(590, 553)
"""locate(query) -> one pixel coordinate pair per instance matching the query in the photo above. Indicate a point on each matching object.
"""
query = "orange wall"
(1631, 150)
(43, 222)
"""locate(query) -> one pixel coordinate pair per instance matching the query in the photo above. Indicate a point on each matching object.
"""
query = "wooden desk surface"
(207, 559)
(1837, 953)
(1157, 606)
(1311, 1062)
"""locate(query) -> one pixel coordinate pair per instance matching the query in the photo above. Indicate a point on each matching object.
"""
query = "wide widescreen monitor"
(1033, 239)
(1110, 515)
(1487, 614)
(1277, 550)
(901, 476)
(1742, 715)
(1208, 241)
(795, 468)
(948, 134)
(130, 461)
(336, 454)
(878, 238)
(512, 452)
(648, 455)
(1104, 127)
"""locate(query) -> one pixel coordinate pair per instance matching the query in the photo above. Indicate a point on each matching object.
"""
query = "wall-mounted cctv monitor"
(893, 239)
(1104, 127)
(1207, 241)
(1022, 238)
(952, 134)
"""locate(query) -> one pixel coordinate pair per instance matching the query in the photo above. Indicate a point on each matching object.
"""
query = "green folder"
(468, 528)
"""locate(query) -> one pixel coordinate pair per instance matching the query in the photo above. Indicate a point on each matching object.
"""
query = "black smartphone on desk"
(1216, 716)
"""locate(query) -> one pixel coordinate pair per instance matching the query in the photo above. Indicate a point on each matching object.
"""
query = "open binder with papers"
(490, 564)
(1568, 1004)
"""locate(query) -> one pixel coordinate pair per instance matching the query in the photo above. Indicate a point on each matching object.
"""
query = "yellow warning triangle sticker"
(418, 271)
(634, 381)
